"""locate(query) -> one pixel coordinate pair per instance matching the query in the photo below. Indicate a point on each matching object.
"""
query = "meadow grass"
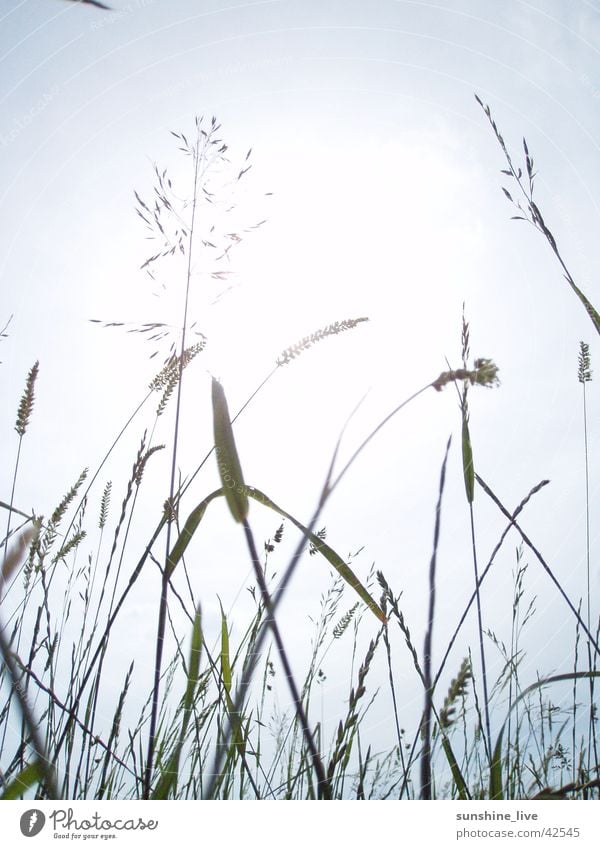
(209, 724)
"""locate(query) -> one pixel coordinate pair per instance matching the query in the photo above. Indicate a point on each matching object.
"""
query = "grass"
(227, 711)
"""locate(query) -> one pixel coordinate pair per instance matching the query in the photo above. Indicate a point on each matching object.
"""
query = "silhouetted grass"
(210, 724)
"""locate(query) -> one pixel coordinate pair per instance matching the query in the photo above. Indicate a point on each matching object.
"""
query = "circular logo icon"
(32, 822)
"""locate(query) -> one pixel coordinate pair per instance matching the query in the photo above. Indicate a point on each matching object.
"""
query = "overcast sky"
(386, 202)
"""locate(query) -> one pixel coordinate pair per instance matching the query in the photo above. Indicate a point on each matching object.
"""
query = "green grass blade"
(225, 659)
(328, 553)
(227, 456)
(194, 664)
(496, 769)
(588, 307)
(467, 455)
(457, 775)
(185, 537)
(168, 779)
(28, 777)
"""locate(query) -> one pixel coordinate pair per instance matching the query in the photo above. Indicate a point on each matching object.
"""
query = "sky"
(379, 179)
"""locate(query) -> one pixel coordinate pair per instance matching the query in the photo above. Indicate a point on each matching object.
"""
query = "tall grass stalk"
(427, 649)
(584, 376)
(22, 422)
(528, 210)
(164, 584)
(23, 416)
(469, 480)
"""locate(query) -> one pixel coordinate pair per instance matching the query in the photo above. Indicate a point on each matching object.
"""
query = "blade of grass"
(168, 779)
(29, 776)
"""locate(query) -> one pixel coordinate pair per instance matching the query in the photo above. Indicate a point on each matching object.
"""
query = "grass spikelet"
(104, 505)
(347, 729)
(42, 544)
(34, 551)
(77, 537)
(60, 511)
(140, 465)
(277, 537)
(313, 547)
(27, 399)
(170, 371)
(168, 391)
(584, 373)
(388, 598)
(343, 623)
(456, 691)
(483, 373)
(304, 344)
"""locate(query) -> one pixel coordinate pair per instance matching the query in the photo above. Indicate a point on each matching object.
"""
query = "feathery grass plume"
(456, 691)
(185, 225)
(483, 373)
(104, 505)
(308, 341)
(27, 399)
